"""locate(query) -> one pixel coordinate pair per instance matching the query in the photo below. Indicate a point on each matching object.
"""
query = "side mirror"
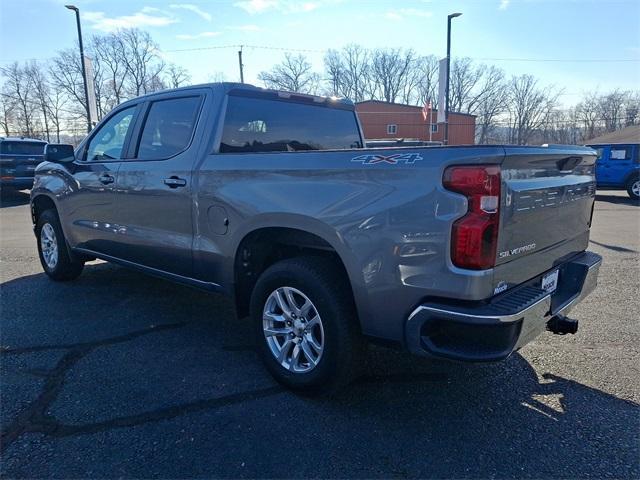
(58, 153)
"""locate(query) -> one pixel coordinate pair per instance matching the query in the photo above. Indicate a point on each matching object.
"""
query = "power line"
(497, 59)
(563, 60)
(260, 47)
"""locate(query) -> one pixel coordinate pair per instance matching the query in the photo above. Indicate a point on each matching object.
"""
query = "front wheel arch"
(40, 204)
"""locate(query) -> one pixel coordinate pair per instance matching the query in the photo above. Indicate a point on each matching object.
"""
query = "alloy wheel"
(49, 245)
(293, 329)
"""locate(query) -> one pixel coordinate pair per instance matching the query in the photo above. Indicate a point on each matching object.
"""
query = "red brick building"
(394, 120)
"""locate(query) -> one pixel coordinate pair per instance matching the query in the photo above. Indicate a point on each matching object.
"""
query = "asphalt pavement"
(118, 374)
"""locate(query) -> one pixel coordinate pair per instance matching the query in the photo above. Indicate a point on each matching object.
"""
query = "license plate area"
(550, 281)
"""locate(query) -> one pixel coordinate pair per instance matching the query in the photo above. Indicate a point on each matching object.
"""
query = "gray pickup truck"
(464, 253)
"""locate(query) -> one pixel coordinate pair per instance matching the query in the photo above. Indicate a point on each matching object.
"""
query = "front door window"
(108, 142)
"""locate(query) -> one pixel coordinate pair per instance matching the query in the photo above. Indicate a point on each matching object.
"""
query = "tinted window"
(168, 128)
(21, 148)
(621, 153)
(259, 125)
(108, 141)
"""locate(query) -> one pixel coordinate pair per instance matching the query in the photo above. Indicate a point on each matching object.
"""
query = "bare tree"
(6, 113)
(177, 76)
(216, 77)
(529, 107)
(66, 76)
(390, 71)
(588, 112)
(632, 108)
(19, 88)
(41, 92)
(488, 102)
(427, 84)
(335, 73)
(465, 76)
(57, 102)
(348, 72)
(109, 51)
(561, 126)
(293, 74)
(611, 109)
(143, 65)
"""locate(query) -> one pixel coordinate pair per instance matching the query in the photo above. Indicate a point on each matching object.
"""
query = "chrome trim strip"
(506, 318)
(588, 286)
(152, 271)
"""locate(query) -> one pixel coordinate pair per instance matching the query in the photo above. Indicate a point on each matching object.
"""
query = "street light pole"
(446, 109)
(84, 71)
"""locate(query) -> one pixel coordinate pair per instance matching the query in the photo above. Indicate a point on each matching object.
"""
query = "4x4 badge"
(372, 159)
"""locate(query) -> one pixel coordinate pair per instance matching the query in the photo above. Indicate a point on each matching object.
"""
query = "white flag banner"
(442, 89)
(91, 91)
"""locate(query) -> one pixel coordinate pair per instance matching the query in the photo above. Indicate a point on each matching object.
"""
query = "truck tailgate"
(547, 198)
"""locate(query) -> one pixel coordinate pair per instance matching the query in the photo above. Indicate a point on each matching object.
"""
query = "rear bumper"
(493, 330)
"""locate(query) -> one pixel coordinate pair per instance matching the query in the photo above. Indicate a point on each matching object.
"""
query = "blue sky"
(491, 31)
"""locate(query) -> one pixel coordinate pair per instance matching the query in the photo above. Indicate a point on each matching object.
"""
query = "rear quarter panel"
(388, 220)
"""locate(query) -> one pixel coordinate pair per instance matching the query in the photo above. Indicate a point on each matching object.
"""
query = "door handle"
(175, 182)
(106, 179)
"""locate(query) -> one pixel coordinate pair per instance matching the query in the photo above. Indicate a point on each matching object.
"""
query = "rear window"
(21, 148)
(260, 125)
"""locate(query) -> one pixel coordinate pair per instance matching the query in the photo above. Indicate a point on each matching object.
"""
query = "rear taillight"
(474, 237)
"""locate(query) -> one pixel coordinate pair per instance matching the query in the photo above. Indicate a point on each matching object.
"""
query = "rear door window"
(21, 148)
(168, 128)
(264, 125)
(621, 153)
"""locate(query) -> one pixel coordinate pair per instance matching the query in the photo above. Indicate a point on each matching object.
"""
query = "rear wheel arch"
(265, 246)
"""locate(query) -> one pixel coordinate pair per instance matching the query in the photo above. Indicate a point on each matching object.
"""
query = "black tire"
(329, 291)
(66, 267)
(634, 184)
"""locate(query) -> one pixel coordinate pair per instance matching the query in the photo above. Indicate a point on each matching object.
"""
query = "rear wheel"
(56, 261)
(633, 187)
(306, 326)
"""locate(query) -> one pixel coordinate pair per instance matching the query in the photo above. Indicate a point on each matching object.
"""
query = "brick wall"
(376, 116)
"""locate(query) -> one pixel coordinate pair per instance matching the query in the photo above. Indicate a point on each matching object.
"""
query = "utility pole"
(84, 71)
(241, 65)
(446, 110)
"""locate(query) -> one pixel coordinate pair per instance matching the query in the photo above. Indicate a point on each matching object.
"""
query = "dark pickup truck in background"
(19, 157)
(464, 253)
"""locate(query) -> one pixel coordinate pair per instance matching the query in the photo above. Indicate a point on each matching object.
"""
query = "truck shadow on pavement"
(13, 198)
(617, 199)
(117, 356)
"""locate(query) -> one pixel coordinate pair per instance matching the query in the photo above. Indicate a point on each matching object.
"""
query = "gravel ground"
(121, 375)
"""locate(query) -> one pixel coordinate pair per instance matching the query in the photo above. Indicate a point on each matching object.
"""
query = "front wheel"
(52, 249)
(306, 326)
(633, 187)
